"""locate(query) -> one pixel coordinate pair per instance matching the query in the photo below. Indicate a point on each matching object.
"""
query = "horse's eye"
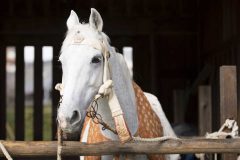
(96, 59)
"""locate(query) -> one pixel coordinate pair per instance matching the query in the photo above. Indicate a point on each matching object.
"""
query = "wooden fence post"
(238, 82)
(19, 94)
(3, 92)
(204, 110)
(228, 97)
(56, 73)
(38, 94)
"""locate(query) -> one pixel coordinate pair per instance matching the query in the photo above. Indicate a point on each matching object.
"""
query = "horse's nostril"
(75, 117)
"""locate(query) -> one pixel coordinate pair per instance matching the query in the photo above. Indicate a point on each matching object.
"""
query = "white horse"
(83, 73)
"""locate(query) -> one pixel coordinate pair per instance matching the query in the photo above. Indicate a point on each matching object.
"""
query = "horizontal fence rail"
(73, 148)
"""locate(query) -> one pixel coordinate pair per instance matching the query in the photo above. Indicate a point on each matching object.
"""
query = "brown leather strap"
(122, 129)
(117, 114)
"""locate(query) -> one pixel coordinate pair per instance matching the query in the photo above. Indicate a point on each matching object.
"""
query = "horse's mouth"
(71, 128)
(67, 130)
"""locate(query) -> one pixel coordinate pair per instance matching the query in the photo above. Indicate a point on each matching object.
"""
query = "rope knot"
(104, 89)
(59, 87)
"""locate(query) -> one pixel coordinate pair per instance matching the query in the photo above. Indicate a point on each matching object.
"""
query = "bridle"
(106, 90)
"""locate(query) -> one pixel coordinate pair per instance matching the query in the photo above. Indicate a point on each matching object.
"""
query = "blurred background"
(174, 49)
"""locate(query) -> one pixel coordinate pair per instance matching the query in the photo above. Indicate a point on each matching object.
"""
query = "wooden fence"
(19, 92)
(223, 92)
(70, 148)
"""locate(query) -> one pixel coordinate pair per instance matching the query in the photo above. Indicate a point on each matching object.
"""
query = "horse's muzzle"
(69, 123)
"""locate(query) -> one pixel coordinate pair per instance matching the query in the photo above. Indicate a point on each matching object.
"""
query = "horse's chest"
(149, 124)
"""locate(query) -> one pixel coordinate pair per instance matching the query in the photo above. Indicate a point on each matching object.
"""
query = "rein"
(97, 118)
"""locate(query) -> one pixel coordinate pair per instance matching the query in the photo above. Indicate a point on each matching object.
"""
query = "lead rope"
(59, 87)
(159, 139)
(59, 144)
(5, 152)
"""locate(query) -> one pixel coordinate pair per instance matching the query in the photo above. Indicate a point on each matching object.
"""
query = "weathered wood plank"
(228, 93)
(238, 82)
(71, 148)
(19, 96)
(228, 97)
(3, 92)
(204, 110)
(38, 94)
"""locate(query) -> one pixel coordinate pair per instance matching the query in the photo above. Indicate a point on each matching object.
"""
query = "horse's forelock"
(70, 36)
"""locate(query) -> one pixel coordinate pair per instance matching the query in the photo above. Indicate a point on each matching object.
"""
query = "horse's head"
(82, 65)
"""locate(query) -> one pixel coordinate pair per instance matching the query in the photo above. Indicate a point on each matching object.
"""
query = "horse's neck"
(105, 112)
(122, 85)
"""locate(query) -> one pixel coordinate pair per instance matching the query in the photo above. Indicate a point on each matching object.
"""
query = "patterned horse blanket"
(149, 125)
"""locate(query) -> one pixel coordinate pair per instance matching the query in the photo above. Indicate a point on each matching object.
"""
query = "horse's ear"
(95, 20)
(72, 20)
